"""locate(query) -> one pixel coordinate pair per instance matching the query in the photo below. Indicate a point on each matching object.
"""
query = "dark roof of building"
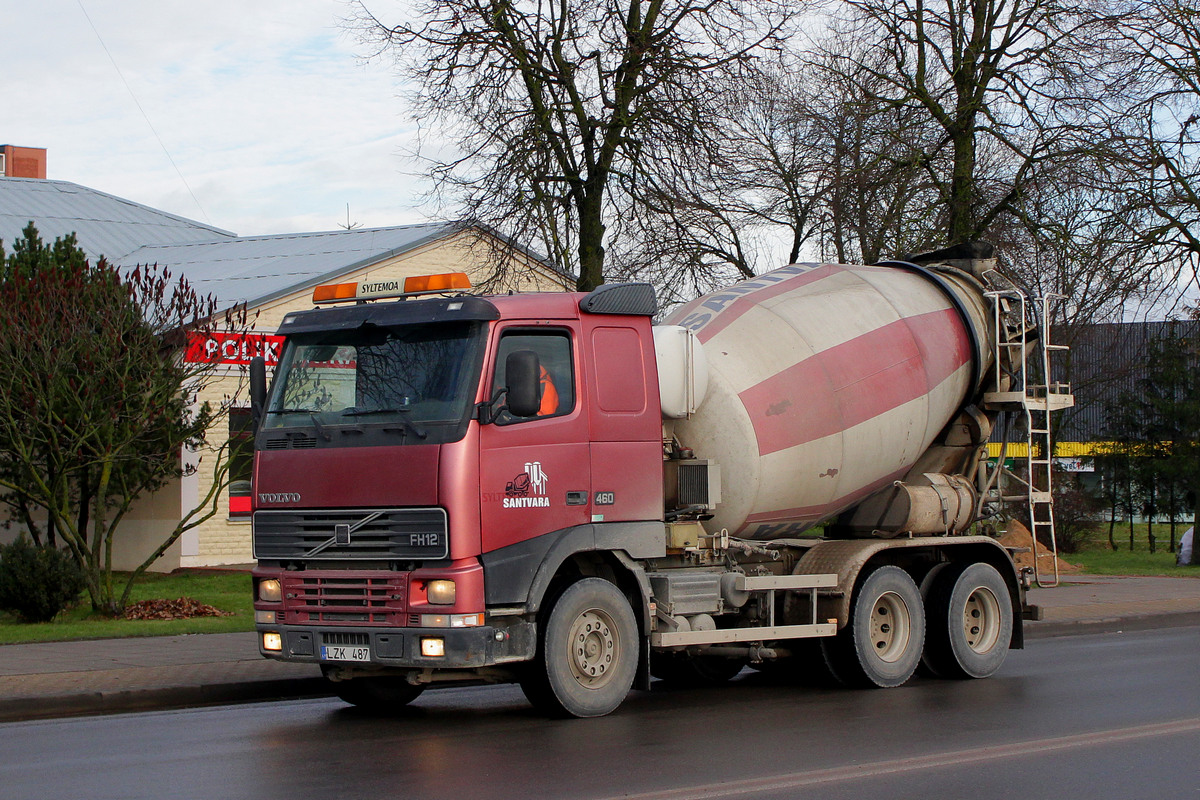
(1108, 361)
(104, 225)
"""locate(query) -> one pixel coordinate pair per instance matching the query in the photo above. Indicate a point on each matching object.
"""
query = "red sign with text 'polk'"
(232, 348)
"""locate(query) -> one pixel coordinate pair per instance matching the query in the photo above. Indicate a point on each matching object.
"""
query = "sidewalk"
(110, 675)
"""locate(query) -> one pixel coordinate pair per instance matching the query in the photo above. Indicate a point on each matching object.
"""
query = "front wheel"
(587, 652)
(881, 646)
(970, 622)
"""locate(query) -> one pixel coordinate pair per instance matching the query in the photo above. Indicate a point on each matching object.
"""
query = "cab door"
(535, 471)
(625, 422)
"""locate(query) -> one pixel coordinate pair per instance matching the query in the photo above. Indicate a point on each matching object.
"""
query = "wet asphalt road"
(1102, 716)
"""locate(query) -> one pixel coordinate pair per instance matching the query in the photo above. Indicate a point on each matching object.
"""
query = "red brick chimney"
(22, 162)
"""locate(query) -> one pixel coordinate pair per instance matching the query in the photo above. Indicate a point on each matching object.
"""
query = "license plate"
(337, 652)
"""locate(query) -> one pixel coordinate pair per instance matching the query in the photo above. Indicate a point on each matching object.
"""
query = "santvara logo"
(279, 497)
(528, 489)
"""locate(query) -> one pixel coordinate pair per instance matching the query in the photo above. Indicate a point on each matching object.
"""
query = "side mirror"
(258, 389)
(523, 382)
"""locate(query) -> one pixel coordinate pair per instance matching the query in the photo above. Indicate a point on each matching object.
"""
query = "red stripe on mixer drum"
(857, 380)
(815, 513)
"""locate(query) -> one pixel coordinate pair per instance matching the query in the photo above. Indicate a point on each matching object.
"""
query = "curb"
(1048, 629)
(20, 709)
(164, 698)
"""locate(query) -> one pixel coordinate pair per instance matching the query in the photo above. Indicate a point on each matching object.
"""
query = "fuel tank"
(827, 383)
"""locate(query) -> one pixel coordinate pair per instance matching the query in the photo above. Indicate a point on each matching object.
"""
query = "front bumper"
(464, 648)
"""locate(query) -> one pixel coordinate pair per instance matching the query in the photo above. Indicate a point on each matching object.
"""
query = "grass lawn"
(1098, 558)
(228, 591)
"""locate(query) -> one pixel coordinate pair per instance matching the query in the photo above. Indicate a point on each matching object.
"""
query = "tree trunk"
(83, 518)
(51, 530)
(591, 241)
(1112, 523)
(961, 222)
(25, 514)
(1113, 502)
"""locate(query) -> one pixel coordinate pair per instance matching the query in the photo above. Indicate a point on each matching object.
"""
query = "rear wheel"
(382, 695)
(970, 622)
(881, 645)
(587, 652)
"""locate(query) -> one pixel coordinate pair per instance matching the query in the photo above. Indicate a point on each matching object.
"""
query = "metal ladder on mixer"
(1036, 402)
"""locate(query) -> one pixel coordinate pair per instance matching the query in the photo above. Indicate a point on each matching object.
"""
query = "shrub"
(1077, 514)
(36, 582)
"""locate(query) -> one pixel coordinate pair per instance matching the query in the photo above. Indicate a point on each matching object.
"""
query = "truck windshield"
(404, 385)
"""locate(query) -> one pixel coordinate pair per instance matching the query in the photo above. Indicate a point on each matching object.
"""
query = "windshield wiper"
(366, 412)
(408, 425)
(324, 434)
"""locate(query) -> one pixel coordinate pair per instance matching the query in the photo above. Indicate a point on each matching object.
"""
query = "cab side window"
(553, 349)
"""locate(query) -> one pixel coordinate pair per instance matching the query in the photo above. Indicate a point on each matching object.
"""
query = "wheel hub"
(595, 646)
(889, 627)
(981, 620)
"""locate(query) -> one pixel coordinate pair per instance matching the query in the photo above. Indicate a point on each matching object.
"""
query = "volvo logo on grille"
(279, 497)
(341, 533)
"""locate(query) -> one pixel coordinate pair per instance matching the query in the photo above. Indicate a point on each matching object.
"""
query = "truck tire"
(682, 669)
(376, 694)
(587, 652)
(970, 622)
(882, 643)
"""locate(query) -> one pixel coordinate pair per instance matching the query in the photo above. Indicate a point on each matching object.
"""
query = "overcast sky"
(263, 105)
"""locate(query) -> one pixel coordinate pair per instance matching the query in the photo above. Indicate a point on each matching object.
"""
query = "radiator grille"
(693, 484)
(342, 598)
(410, 534)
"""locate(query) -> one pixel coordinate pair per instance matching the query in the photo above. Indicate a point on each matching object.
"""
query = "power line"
(146, 117)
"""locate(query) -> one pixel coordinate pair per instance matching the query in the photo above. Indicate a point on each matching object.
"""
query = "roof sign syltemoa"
(380, 290)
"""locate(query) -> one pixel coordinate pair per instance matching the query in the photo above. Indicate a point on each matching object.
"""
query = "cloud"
(263, 107)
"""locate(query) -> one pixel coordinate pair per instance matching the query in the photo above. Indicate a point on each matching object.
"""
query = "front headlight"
(440, 592)
(270, 590)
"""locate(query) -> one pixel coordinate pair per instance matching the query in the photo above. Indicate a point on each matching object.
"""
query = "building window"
(241, 461)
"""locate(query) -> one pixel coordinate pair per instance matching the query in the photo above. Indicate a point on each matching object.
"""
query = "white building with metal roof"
(272, 275)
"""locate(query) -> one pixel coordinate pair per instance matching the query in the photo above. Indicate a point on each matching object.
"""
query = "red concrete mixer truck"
(552, 489)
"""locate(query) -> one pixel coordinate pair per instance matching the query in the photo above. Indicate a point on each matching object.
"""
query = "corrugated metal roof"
(1106, 361)
(250, 269)
(257, 269)
(105, 225)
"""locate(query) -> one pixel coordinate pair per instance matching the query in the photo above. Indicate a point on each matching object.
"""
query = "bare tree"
(899, 128)
(1009, 86)
(701, 216)
(1160, 134)
(549, 103)
(802, 159)
(877, 196)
